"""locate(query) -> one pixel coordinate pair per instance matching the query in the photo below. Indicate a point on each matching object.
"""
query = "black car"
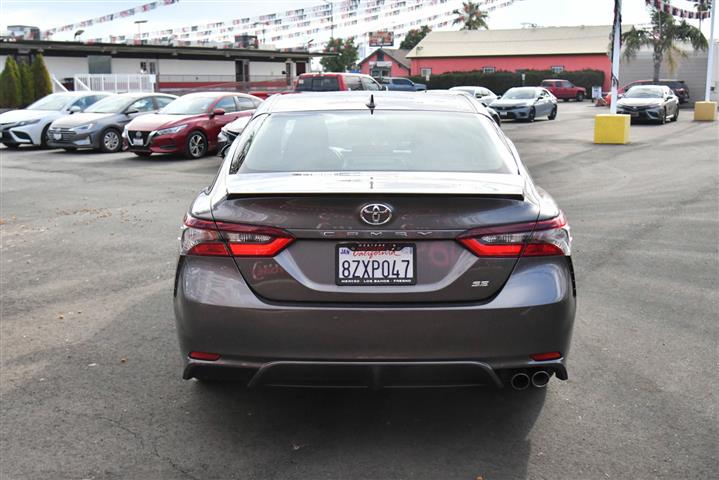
(655, 103)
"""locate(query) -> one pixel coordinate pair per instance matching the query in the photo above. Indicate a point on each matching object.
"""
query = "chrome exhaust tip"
(520, 381)
(540, 378)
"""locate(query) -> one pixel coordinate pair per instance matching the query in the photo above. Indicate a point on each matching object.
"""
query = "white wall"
(66, 67)
(130, 65)
(268, 69)
(196, 67)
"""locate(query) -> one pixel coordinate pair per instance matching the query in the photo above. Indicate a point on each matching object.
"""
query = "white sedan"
(484, 95)
(29, 126)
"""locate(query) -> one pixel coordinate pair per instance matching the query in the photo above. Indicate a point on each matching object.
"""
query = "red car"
(188, 125)
(565, 89)
(332, 82)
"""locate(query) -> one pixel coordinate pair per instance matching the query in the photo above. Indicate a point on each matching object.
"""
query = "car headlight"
(83, 128)
(167, 131)
(27, 122)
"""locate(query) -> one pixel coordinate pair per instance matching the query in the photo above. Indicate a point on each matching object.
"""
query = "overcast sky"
(53, 13)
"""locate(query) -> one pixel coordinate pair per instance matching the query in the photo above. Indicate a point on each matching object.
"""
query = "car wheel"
(676, 115)
(44, 136)
(532, 114)
(13, 146)
(553, 115)
(110, 141)
(196, 145)
(580, 97)
(143, 154)
(69, 149)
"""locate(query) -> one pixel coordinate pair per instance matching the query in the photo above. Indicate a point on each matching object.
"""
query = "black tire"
(12, 146)
(553, 115)
(580, 97)
(143, 154)
(196, 146)
(69, 149)
(676, 115)
(532, 114)
(43, 136)
(110, 141)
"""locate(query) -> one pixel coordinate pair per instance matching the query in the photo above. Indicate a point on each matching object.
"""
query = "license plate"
(376, 264)
(137, 141)
(503, 115)
(634, 114)
(57, 136)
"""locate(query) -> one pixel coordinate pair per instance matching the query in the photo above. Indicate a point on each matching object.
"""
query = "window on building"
(557, 69)
(488, 69)
(99, 64)
(380, 56)
(425, 72)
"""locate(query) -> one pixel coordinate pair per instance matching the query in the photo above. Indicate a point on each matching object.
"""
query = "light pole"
(332, 17)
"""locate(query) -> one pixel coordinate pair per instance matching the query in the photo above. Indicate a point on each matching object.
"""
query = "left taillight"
(543, 238)
(208, 238)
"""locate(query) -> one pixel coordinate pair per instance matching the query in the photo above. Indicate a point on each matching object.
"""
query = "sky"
(52, 13)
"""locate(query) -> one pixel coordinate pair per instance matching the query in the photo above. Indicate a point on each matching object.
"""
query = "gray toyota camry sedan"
(374, 239)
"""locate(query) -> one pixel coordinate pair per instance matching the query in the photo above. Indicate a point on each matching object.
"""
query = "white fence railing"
(117, 83)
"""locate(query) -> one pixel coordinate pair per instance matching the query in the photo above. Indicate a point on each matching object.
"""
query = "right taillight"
(546, 237)
(208, 238)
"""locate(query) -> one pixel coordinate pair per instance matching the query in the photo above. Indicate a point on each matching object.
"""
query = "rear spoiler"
(385, 183)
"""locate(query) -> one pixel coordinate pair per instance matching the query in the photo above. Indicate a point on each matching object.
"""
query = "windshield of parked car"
(317, 84)
(113, 104)
(189, 105)
(644, 92)
(520, 94)
(384, 141)
(54, 101)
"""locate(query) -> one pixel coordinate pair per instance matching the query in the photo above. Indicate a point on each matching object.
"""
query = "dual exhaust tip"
(522, 381)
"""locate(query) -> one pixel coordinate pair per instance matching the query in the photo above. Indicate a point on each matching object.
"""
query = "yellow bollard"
(612, 129)
(705, 111)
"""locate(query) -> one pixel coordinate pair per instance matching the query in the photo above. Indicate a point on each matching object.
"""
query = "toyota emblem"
(376, 213)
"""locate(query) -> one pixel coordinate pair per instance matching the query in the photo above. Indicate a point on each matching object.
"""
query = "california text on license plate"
(376, 264)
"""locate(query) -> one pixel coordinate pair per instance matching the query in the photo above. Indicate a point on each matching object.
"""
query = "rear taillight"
(208, 238)
(547, 237)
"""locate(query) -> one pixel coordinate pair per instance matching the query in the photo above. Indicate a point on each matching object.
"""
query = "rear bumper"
(217, 312)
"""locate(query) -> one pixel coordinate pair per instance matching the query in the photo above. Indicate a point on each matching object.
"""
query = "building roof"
(524, 41)
(57, 48)
(397, 54)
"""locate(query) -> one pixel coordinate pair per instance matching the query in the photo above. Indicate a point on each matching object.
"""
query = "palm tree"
(471, 17)
(701, 8)
(661, 36)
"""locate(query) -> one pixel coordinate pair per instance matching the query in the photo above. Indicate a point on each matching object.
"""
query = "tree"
(414, 36)
(346, 57)
(471, 17)
(11, 95)
(28, 86)
(661, 36)
(702, 7)
(41, 77)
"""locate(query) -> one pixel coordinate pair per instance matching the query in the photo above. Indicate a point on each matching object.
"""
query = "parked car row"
(107, 122)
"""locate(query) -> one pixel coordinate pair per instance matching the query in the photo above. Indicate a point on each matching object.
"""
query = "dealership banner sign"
(666, 7)
(110, 17)
(381, 39)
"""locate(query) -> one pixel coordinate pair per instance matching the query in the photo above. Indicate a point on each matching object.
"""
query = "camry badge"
(376, 214)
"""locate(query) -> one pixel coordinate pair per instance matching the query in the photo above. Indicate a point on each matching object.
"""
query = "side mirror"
(74, 109)
(217, 111)
(132, 111)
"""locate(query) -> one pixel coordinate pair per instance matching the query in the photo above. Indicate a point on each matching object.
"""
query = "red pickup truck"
(565, 89)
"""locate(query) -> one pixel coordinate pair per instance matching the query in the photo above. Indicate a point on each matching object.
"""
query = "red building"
(553, 48)
(386, 62)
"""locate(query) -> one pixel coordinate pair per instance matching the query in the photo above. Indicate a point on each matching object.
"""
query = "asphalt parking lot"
(90, 377)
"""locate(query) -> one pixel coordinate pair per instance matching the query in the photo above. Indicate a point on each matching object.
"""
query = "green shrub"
(500, 82)
(11, 94)
(27, 84)
(40, 77)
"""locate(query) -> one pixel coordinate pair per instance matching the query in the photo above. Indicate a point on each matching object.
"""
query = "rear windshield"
(385, 141)
(318, 84)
